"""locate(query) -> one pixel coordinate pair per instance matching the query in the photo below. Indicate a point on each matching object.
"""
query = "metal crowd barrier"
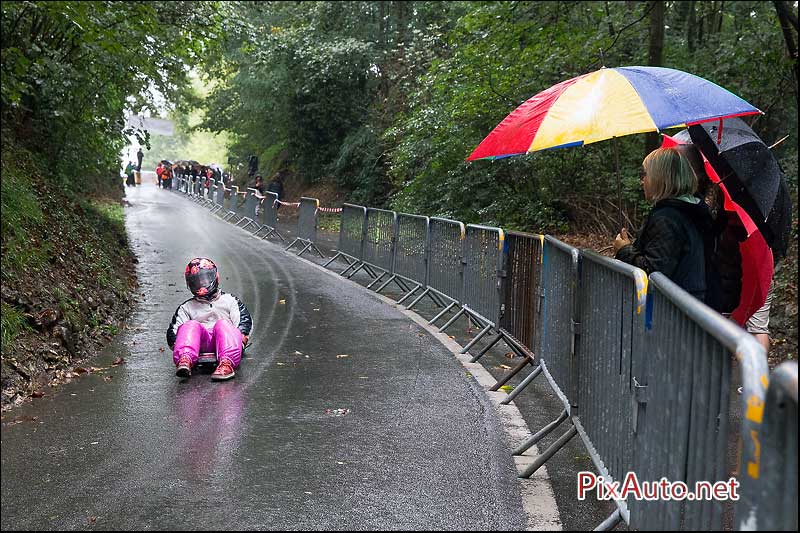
(521, 302)
(238, 205)
(219, 199)
(268, 215)
(558, 322)
(206, 193)
(558, 340)
(682, 428)
(216, 197)
(410, 263)
(445, 265)
(233, 201)
(771, 498)
(247, 210)
(611, 292)
(378, 244)
(307, 225)
(483, 270)
(351, 236)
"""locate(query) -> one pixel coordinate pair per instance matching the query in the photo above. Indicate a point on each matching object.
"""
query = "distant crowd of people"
(167, 171)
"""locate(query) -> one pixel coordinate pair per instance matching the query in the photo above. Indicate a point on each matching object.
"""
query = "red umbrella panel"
(757, 263)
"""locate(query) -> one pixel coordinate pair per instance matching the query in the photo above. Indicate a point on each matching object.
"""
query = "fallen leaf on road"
(121, 360)
(507, 388)
(298, 353)
(161, 349)
(510, 355)
(79, 370)
(342, 355)
(37, 394)
(280, 364)
(282, 302)
(505, 367)
(108, 378)
(316, 309)
(336, 412)
(21, 419)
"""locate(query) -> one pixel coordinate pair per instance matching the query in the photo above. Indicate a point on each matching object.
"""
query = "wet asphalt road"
(419, 447)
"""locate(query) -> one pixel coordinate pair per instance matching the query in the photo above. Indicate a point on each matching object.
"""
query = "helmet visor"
(202, 282)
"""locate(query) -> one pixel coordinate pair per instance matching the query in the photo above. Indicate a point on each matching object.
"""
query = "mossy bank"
(68, 274)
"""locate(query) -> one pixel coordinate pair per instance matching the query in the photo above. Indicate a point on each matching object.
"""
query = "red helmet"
(202, 277)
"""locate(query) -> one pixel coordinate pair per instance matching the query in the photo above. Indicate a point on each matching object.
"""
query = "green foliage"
(500, 54)
(312, 85)
(71, 70)
(12, 323)
(20, 212)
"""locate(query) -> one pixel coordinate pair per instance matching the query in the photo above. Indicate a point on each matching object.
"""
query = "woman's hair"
(669, 174)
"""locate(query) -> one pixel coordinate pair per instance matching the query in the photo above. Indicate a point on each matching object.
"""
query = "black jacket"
(276, 187)
(672, 242)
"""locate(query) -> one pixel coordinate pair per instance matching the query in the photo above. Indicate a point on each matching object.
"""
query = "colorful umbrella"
(610, 102)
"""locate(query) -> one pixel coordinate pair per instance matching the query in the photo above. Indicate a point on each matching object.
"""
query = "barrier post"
(409, 263)
(248, 209)
(483, 272)
(233, 201)
(307, 225)
(768, 500)
(521, 299)
(682, 434)
(351, 236)
(445, 272)
(378, 244)
(269, 216)
(610, 292)
(559, 328)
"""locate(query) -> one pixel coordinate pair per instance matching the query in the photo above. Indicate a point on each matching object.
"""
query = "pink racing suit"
(224, 340)
(215, 325)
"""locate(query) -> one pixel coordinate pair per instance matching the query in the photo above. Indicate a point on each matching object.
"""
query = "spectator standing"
(671, 240)
(129, 181)
(258, 185)
(276, 185)
(139, 159)
(159, 172)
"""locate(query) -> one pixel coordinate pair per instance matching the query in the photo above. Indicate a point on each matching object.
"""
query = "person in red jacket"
(159, 171)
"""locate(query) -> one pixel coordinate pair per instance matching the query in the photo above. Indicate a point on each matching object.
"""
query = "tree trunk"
(788, 21)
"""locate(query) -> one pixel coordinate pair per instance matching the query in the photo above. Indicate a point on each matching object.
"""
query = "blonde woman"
(671, 240)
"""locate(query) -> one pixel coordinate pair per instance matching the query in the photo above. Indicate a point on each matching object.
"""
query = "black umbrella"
(751, 175)
(166, 162)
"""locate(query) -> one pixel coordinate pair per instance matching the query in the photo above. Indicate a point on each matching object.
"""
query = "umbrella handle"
(619, 184)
